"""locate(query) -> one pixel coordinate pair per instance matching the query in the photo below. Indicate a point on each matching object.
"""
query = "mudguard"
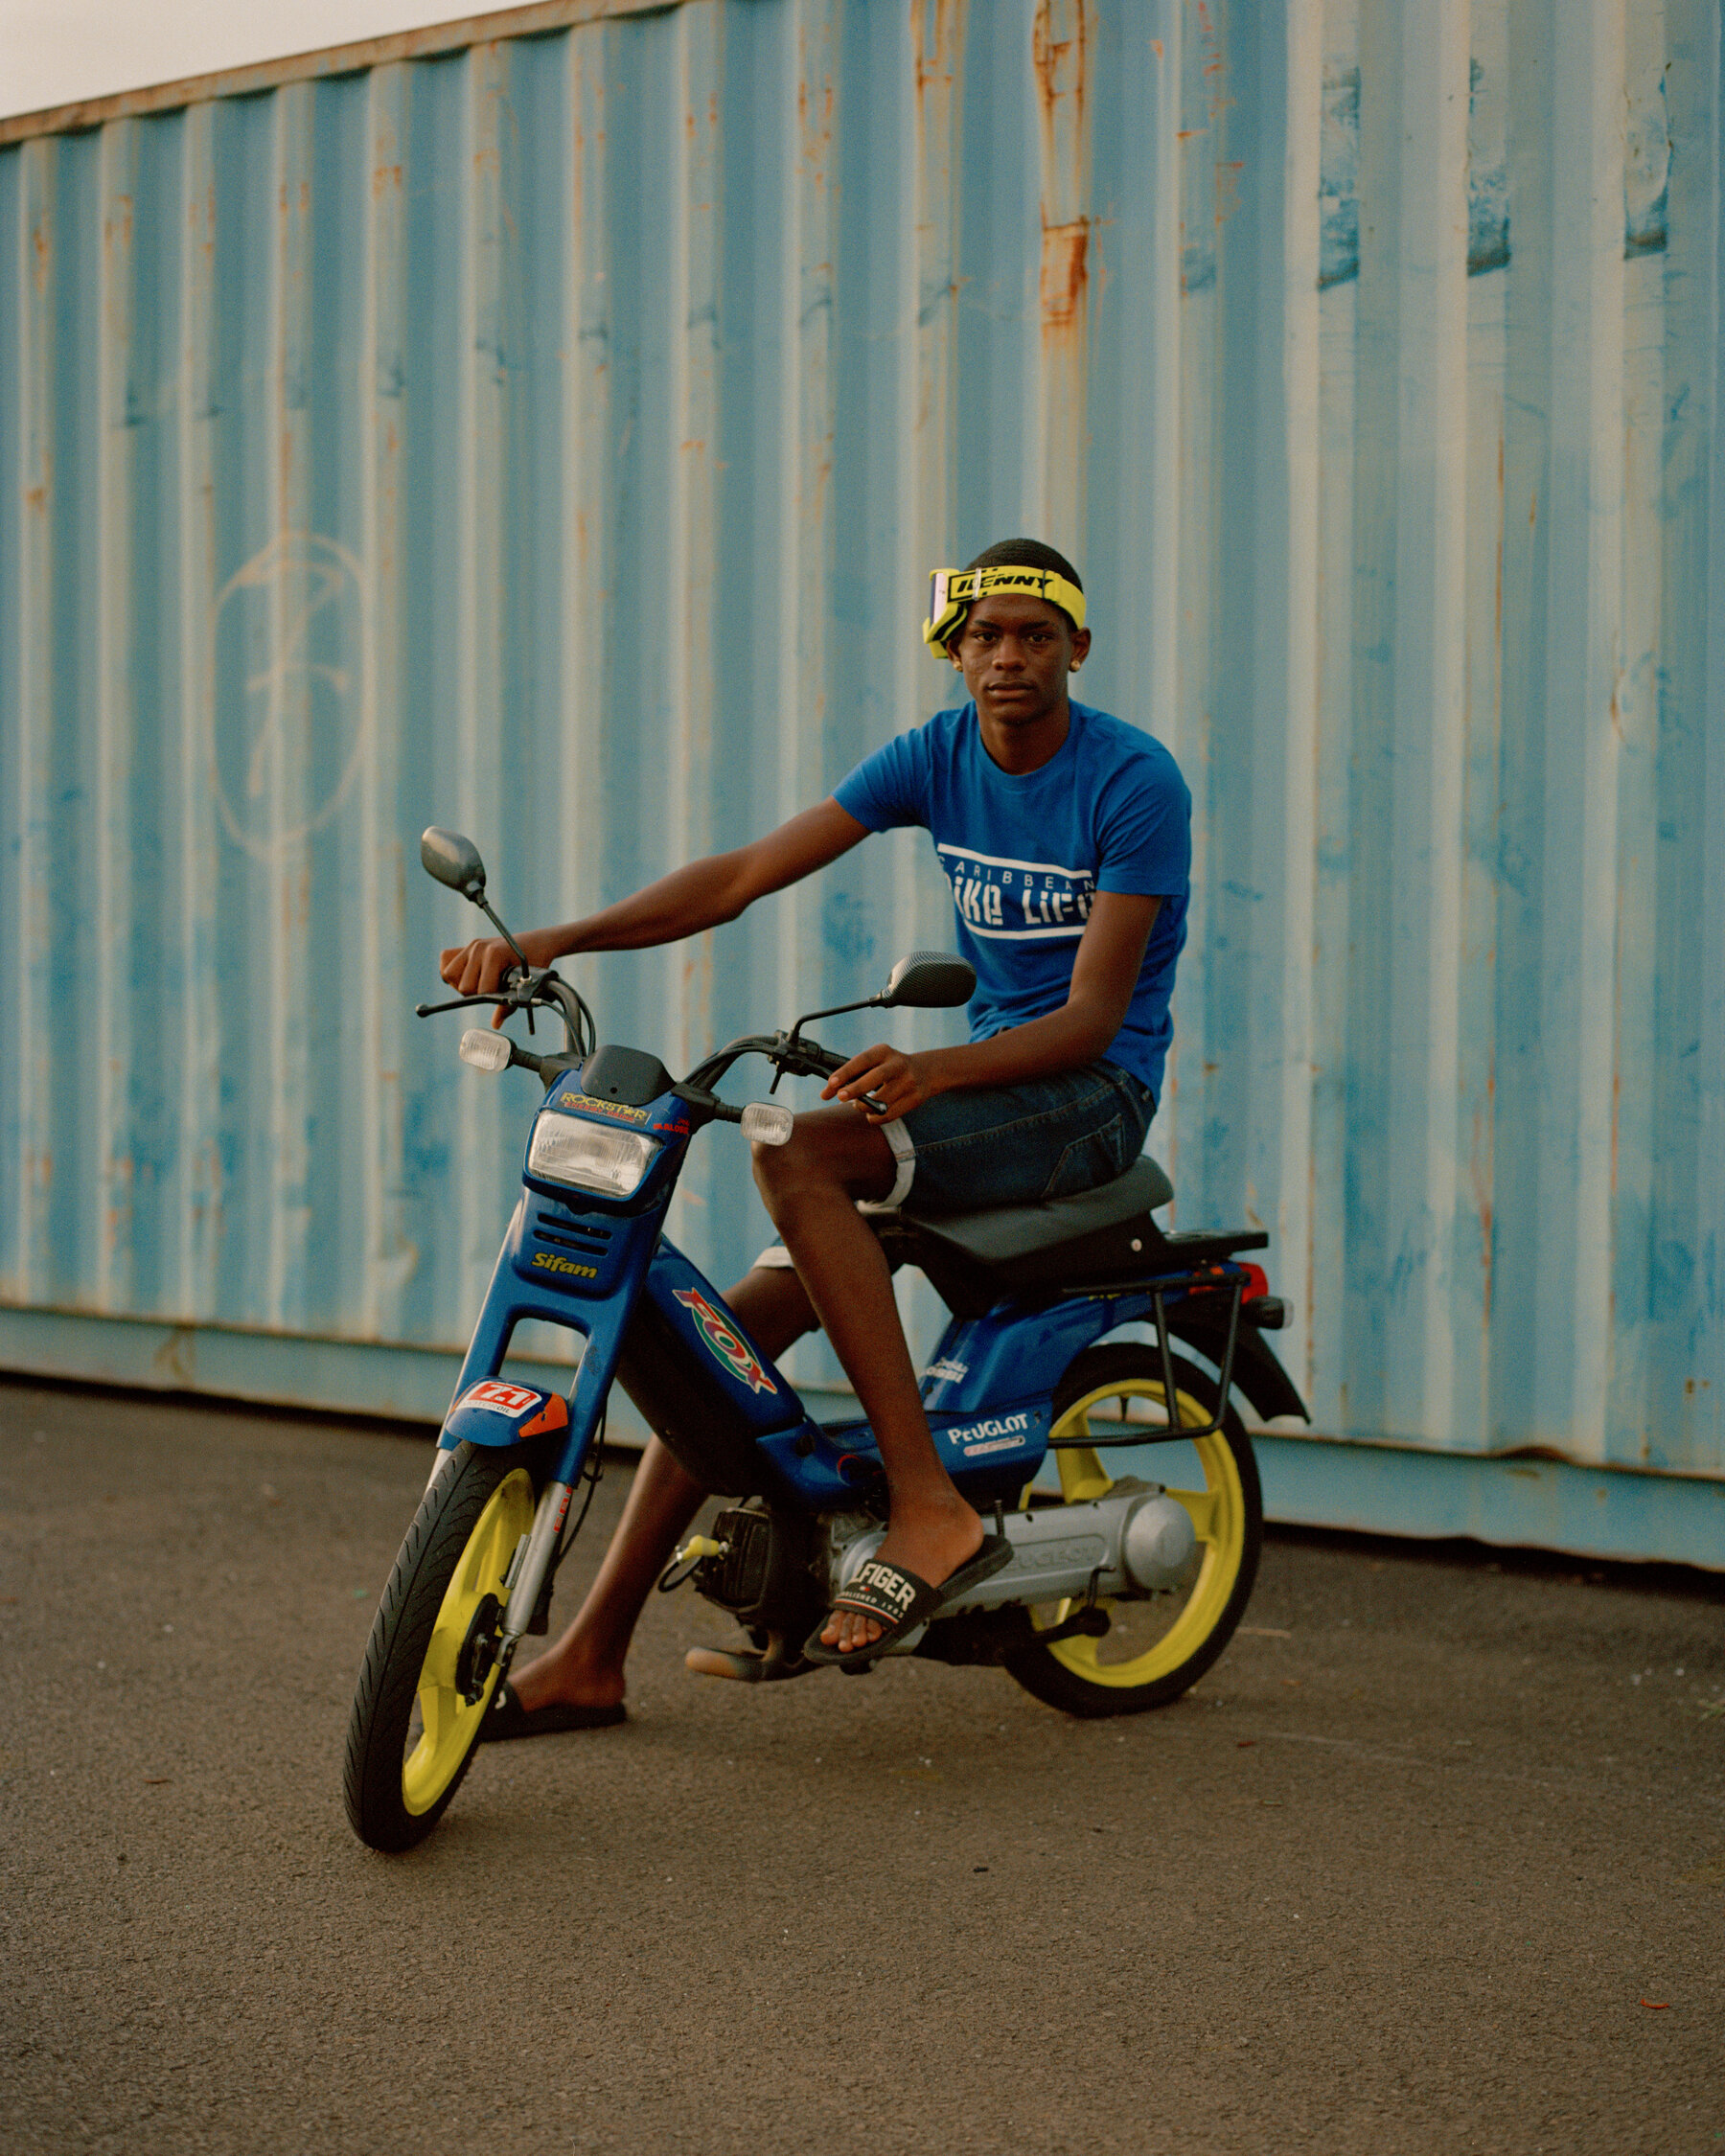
(494, 1412)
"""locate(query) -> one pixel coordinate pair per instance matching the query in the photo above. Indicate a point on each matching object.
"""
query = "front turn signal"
(485, 1049)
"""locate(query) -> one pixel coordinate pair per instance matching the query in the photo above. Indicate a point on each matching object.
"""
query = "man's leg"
(585, 1666)
(811, 1186)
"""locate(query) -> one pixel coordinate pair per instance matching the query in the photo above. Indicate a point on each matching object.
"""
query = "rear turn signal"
(1268, 1313)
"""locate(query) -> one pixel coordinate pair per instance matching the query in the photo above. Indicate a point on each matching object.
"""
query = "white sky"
(53, 52)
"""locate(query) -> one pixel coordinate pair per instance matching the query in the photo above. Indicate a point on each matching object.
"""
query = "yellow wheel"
(428, 1675)
(1158, 1646)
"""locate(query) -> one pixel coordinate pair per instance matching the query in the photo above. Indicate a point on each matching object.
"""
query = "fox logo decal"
(727, 1344)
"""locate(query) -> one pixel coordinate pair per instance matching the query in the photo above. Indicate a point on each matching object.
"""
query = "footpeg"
(749, 1665)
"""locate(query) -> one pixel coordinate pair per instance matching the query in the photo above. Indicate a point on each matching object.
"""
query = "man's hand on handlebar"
(896, 1082)
(481, 967)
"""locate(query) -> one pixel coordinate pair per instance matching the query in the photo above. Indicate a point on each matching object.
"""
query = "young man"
(1066, 837)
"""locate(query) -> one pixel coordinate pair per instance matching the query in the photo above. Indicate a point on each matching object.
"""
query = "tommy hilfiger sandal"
(899, 1600)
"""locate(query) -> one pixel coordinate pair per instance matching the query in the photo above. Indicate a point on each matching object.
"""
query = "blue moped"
(1121, 1591)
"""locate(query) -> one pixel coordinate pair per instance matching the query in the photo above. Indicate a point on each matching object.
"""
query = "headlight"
(589, 1156)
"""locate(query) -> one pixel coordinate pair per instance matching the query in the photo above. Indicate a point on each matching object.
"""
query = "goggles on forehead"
(953, 592)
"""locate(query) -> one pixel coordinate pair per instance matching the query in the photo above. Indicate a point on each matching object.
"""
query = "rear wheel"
(1158, 1646)
(428, 1674)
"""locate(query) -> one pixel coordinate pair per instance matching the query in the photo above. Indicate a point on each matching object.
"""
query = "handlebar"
(523, 991)
(793, 1055)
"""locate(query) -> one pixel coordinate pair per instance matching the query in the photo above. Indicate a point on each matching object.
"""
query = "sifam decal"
(724, 1339)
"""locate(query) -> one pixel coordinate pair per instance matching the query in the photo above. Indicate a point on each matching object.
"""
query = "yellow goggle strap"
(952, 593)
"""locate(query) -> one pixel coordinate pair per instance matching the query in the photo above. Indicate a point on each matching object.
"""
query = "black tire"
(453, 1560)
(1074, 1675)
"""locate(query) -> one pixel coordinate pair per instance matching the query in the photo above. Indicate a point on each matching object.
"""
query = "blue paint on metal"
(550, 437)
(1534, 1503)
(1487, 177)
(1339, 185)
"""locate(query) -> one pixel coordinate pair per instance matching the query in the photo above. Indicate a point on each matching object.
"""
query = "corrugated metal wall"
(551, 439)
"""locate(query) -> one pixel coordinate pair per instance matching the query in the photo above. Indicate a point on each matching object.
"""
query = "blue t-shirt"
(1110, 811)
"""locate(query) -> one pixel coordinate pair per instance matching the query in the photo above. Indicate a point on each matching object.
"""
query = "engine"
(770, 1571)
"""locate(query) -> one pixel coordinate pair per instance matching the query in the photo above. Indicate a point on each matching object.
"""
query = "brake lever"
(460, 1003)
(518, 998)
(807, 1059)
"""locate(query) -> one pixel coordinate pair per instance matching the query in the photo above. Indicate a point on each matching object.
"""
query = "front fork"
(527, 1568)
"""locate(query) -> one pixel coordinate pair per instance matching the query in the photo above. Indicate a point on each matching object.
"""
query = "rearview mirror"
(930, 981)
(453, 860)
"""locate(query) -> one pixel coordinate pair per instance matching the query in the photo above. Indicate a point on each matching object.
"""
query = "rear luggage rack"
(1236, 1290)
(1105, 1243)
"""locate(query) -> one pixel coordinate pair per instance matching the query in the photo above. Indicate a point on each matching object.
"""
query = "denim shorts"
(1013, 1145)
(1017, 1145)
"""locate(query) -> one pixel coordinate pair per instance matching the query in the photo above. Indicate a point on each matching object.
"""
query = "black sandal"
(506, 1717)
(899, 1600)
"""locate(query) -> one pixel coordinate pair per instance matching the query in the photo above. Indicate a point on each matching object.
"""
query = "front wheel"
(428, 1674)
(1157, 1647)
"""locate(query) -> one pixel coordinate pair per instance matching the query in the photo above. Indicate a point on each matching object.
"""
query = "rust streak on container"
(1059, 63)
(117, 242)
(814, 133)
(936, 59)
(1059, 52)
(1064, 274)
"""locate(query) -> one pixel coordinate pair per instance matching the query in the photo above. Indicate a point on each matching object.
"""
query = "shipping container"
(546, 427)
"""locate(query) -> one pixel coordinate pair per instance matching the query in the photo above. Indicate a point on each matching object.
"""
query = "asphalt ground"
(1434, 1859)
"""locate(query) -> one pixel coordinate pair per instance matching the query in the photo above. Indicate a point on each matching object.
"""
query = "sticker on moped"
(512, 1399)
(725, 1343)
(999, 1434)
(586, 1104)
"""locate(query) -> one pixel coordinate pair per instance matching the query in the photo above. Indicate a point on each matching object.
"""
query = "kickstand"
(1089, 1623)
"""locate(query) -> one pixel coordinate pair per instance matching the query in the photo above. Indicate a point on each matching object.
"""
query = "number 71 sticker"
(512, 1399)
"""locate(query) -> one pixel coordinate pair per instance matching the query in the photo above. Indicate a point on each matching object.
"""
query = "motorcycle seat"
(1097, 1238)
(1002, 1232)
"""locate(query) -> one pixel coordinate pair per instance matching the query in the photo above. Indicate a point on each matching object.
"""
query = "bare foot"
(932, 1545)
(566, 1677)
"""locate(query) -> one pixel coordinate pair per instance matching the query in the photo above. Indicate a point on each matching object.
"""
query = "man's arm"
(1104, 975)
(700, 896)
